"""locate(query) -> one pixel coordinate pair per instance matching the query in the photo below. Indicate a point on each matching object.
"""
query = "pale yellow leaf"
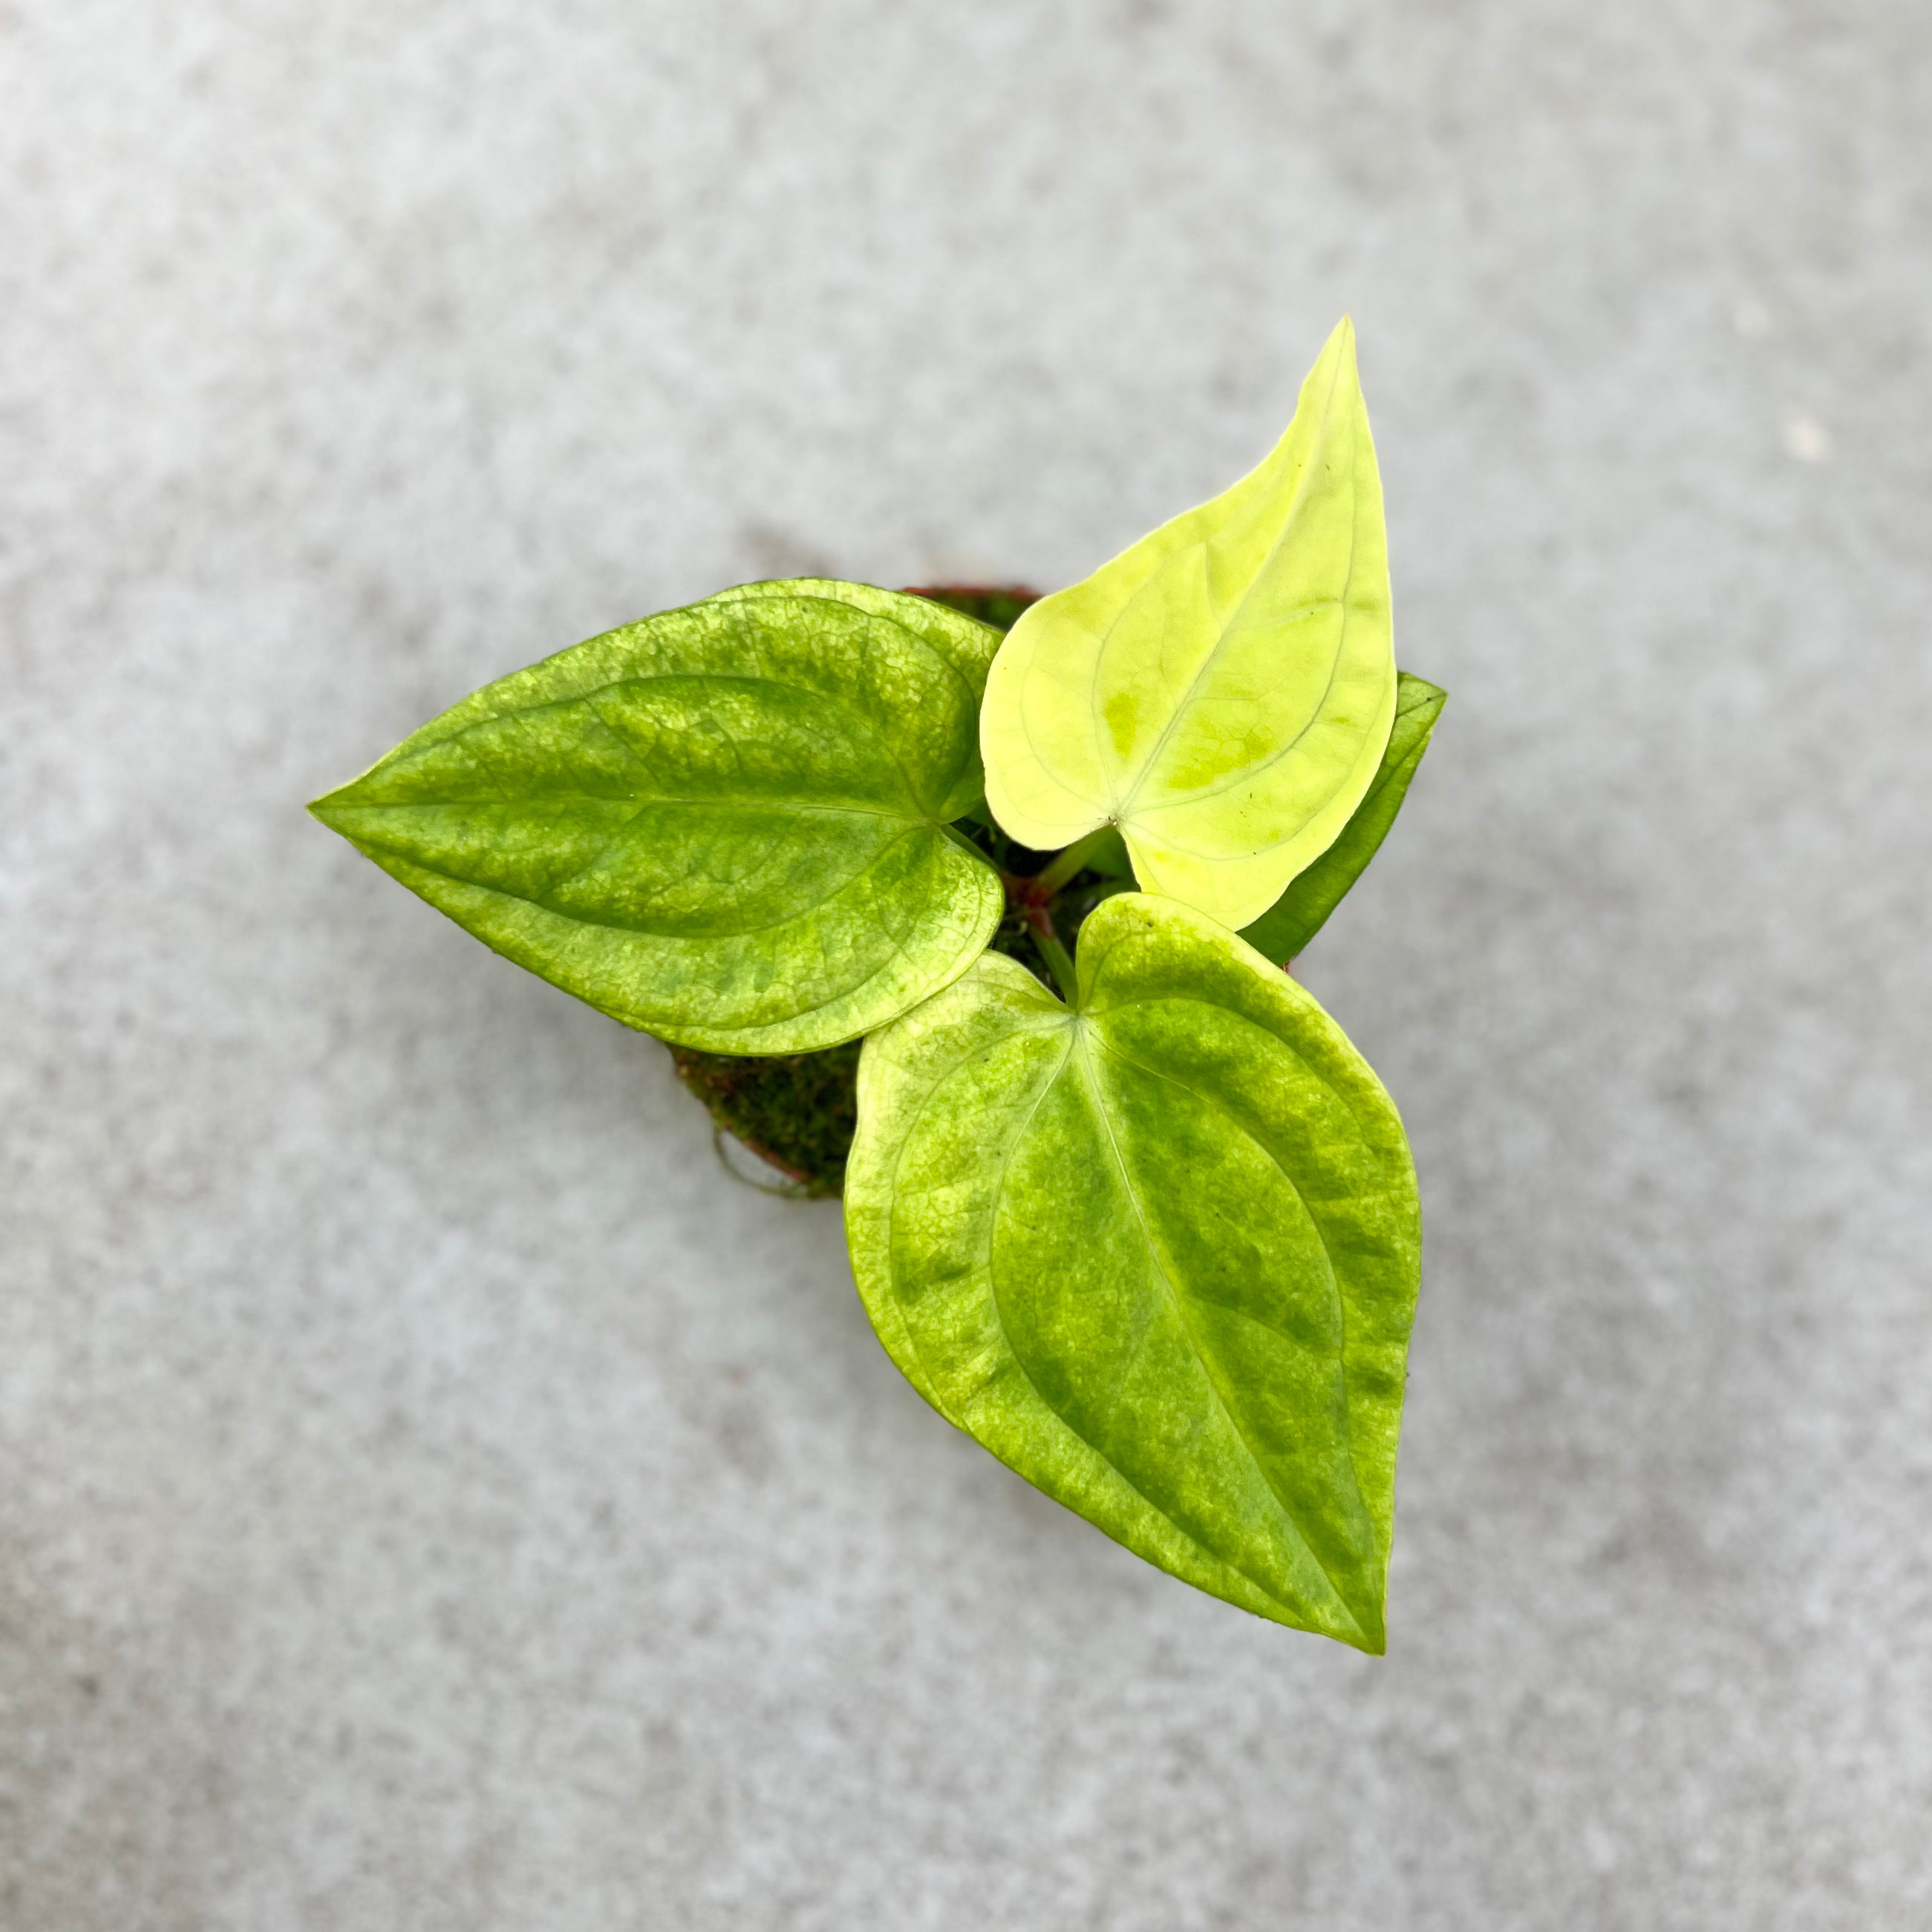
(1223, 690)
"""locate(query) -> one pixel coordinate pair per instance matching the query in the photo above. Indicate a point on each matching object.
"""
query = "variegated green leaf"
(1301, 912)
(726, 825)
(1158, 1252)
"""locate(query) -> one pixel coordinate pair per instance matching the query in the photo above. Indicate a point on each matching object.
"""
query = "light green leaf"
(1301, 912)
(1158, 1253)
(726, 825)
(1223, 690)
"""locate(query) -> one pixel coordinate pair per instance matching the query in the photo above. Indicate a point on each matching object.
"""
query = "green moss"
(996, 605)
(797, 1110)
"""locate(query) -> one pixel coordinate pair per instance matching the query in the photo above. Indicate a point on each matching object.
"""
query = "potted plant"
(977, 907)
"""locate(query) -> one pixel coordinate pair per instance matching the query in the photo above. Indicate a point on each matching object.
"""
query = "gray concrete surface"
(431, 1495)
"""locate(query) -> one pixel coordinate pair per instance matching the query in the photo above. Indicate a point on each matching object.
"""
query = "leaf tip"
(322, 810)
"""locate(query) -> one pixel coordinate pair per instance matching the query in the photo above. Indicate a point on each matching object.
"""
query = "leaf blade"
(1285, 928)
(1105, 1243)
(1223, 688)
(725, 825)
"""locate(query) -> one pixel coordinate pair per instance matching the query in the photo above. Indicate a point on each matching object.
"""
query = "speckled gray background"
(432, 1496)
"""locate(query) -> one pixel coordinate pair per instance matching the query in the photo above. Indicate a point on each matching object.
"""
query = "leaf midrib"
(1240, 1127)
(1203, 544)
(371, 847)
(918, 1112)
(528, 803)
(1097, 1100)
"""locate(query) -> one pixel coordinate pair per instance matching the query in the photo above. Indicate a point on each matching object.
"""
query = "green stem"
(1072, 861)
(1039, 923)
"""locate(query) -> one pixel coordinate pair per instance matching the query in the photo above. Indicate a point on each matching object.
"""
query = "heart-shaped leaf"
(1221, 691)
(726, 825)
(1158, 1253)
(1301, 912)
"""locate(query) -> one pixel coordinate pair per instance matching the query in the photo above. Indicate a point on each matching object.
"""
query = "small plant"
(1123, 1201)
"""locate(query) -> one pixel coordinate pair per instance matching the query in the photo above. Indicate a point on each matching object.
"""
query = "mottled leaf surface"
(1223, 690)
(1301, 912)
(1158, 1253)
(726, 825)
